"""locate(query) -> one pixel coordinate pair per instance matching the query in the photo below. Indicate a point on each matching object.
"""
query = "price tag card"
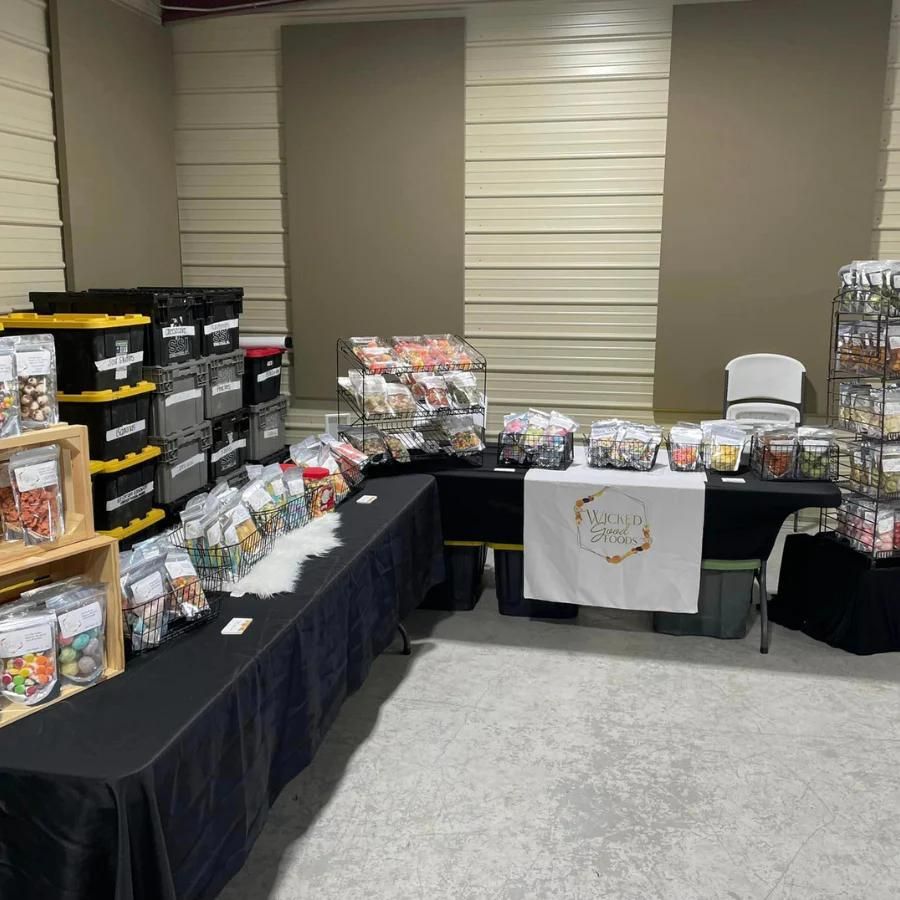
(734, 480)
(367, 498)
(237, 626)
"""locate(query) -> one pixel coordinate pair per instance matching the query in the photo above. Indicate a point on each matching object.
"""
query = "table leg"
(404, 636)
(763, 609)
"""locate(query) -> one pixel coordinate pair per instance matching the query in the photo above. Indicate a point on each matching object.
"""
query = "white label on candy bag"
(224, 325)
(78, 620)
(6, 367)
(228, 449)
(39, 475)
(189, 463)
(115, 434)
(269, 373)
(179, 331)
(33, 362)
(35, 638)
(294, 486)
(239, 515)
(180, 568)
(148, 588)
(183, 396)
(122, 361)
(270, 433)
(257, 497)
(225, 387)
(118, 502)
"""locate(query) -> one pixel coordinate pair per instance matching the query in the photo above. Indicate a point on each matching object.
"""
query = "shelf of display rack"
(407, 420)
(474, 362)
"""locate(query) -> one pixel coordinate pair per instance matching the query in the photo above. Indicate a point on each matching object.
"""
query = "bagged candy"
(560, 425)
(396, 448)
(723, 444)
(81, 619)
(9, 388)
(431, 391)
(448, 351)
(400, 399)
(146, 591)
(463, 389)
(374, 353)
(36, 376)
(464, 437)
(371, 393)
(602, 441)
(777, 452)
(413, 352)
(9, 511)
(685, 442)
(635, 446)
(37, 488)
(369, 441)
(28, 671)
(188, 598)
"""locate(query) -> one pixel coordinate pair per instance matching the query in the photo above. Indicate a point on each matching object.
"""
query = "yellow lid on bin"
(75, 321)
(135, 526)
(122, 393)
(111, 466)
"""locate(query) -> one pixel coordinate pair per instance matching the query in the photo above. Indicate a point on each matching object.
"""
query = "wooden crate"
(78, 509)
(98, 558)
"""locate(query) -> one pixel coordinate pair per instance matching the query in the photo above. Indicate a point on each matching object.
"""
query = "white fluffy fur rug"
(280, 569)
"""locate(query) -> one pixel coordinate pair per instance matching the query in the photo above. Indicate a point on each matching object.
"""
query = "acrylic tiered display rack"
(864, 403)
(421, 432)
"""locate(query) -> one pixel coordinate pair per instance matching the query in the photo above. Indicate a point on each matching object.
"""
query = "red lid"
(316, 472)
(257, 352)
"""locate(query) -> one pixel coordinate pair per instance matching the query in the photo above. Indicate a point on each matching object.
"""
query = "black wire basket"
(789, 460)
(156, 622)
(628, 453)
(685, 456)
(547, 451)
(221, 567)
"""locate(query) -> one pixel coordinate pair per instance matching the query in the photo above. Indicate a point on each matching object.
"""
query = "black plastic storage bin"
(217, 311)
(229, 443)
(464, 567)
(122, 496)
(183, 467)
(172, 332)
(117, 421)
(94, 351)
(267, 424)
(262, 374)
(509, 570)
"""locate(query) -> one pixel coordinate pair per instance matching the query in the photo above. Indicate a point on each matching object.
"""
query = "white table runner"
(614, 538)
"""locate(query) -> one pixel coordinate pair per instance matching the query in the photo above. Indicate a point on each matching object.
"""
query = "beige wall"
(771, 167)
(115, 120)
(374, 142)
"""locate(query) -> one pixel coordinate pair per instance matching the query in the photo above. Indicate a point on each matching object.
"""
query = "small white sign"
(367, 499)
(237, 626)
(504, 469)
(734, 480)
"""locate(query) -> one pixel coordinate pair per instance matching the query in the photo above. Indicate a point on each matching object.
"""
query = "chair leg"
(796, 521)
(763, 609)
(406, 650)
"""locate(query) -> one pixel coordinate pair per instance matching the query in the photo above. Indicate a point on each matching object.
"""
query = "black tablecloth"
(741, 520)
(834, 594)
(154, 785)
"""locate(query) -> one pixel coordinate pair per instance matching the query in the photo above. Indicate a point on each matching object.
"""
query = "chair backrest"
(764, 376)
(758, 412)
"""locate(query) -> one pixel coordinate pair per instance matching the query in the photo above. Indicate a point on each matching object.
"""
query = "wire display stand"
(416, 431)
(864, 403)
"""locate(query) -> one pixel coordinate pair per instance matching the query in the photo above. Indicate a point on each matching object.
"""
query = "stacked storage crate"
(101, 386)
(197, 420)
(266, 406)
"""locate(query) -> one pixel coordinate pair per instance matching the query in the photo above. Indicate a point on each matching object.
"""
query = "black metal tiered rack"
(864, 404)
(421, 430)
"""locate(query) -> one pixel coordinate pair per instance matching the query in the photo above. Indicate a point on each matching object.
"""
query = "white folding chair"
(767, 387)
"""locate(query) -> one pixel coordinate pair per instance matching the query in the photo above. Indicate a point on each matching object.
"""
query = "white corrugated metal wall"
(886, 239)
(31, 254)
(566, 127)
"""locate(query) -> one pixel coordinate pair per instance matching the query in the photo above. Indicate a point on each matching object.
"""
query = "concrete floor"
(509, 758)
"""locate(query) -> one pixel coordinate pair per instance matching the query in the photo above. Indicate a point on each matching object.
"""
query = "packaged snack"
(9, 388)
(538, 423)
(369, 441)
(36, 376)
(448, 351)
(463, 390)
(293, 482)
(273, 479)
(602, 441)
(397, 449)
(44, 591)
(306, 452)
(815, 450)
(187, 598)
(146, 591)
(463, 435)
(431, 391)
(635, 446)
(348, 456)
(340, 488)
(685, 441)
(371, 393)
(777, 449)
(256, 498)
(560, 424)
(400, 399)
(38, 492)
(515, 423)
(413, 352)
(889, 469)
(238, 527)
(320, 490)
(723, 444)
(192, 526)
(9, 511)
(28, 672)
(81, 618)
(375, 354)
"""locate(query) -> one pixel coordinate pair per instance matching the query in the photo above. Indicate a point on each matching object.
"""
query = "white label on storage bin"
(115, 434)
(33, 362)
(189, 463)
(179, 331)
(227, 450)
(269, 373)
(271, 432)
(78, 620)
(124, 499)
(122, 361)
(35, 638)
(148, 588)
(38, 475)
(224, 325)
(183, 396)
(6, 367)
(225, 387)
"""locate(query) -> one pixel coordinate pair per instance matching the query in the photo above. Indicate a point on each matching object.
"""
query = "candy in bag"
(81, 620)
(37, 487)
(36, 377)
(28, 670)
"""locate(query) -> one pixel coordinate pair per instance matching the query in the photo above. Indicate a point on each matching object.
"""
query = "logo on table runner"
(613, 525)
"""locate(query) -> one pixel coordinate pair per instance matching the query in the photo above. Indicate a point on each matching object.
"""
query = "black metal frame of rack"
(420, 432)
(861, 368)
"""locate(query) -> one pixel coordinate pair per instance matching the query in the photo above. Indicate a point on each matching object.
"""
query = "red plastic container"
(262, 374)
